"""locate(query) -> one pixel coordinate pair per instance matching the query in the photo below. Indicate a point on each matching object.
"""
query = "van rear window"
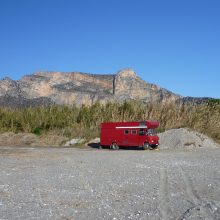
(126, 132)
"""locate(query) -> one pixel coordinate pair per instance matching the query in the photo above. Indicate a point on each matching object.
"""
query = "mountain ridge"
(68, 88)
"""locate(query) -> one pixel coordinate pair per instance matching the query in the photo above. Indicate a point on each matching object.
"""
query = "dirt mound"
(10, 138)
(185, 138)
(29, 139)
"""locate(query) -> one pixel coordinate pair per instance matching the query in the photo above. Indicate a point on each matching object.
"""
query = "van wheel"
(114, 146)
(146, 146)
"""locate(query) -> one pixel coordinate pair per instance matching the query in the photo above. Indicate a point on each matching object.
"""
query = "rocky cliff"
(45, 88)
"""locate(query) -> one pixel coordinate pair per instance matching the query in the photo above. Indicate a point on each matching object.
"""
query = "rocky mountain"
(45, 88)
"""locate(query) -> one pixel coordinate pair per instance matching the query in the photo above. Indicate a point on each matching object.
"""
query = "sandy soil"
(67, 183)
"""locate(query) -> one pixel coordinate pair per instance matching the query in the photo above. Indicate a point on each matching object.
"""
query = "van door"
(142, 136)
(125, 137)
(130, 137)
(134, 138)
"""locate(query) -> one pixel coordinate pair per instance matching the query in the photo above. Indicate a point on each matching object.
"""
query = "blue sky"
(174, 44)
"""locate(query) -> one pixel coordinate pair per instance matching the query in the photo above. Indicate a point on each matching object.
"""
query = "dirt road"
(52, 183)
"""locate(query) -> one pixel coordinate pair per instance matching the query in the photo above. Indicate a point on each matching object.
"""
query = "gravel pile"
(75, 141)
(185, 138)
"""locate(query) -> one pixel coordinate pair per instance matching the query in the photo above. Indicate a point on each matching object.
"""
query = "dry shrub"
(71, 122)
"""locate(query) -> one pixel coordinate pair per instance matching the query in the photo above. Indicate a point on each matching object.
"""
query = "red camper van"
(135, 134)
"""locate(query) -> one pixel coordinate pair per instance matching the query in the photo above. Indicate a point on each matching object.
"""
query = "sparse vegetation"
(214, 102)
(84, 122)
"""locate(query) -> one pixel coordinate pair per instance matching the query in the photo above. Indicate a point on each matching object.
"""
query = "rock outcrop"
(127, 85)
(45, 88)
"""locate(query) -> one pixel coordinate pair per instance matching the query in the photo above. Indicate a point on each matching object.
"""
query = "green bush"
(160, 130)
(37, 131)
(214, 102)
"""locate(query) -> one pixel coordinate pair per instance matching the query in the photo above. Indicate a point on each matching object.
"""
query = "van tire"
(114, 146)
(146, 146)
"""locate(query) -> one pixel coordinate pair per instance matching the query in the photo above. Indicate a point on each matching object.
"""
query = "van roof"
(130, 125)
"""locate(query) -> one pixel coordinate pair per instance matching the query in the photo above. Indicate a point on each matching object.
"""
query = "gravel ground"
(65, 183)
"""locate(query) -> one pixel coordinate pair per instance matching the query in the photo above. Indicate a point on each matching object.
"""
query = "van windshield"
(151, 132)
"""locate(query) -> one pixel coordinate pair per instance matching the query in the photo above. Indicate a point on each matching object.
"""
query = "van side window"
(141, 132)
(126, 132)
(134, 132)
